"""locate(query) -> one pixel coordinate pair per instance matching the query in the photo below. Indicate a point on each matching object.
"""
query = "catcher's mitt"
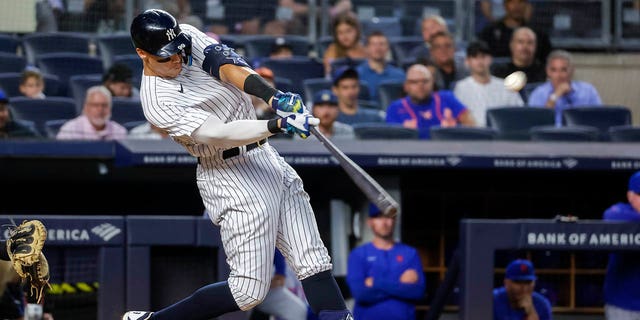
(24, 248)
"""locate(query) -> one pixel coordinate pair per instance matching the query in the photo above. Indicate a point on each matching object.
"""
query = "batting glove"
(299, 124)
(286, 104)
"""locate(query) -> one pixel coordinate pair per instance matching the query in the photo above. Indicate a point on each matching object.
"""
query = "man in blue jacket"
(622, 280)
(385, 277)
(516, 300)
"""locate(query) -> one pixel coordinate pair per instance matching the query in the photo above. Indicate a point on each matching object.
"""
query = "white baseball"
(515, 81)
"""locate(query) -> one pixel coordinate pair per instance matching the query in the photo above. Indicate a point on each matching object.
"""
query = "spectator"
(385, 276)
(430, 25)
(423, 107)
(346, 41)
(622, 280)
(263, 110)
(523, 57)
(325, 108)
(561, 91)
(481, 91)
(346, 86)
(281, 49)
(13, 300)
(516, 299)
(9, 128)
(118, 80)
(438, 83)
(492, 10)
(94, 123)
(32, 84)
(376, 69)
(498, 34)
(443, 55)
(147, 131)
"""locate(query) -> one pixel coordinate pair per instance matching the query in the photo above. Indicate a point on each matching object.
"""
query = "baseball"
(515, 81)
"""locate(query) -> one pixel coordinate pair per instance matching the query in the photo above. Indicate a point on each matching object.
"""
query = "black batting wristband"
(257, 86)
(273, 127)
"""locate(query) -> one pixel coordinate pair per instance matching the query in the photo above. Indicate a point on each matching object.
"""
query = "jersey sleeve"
(393, 116)
(179, 122)
(451, 102)
(199, 41)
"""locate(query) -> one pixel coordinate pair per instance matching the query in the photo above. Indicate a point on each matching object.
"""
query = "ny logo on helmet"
(171, 34)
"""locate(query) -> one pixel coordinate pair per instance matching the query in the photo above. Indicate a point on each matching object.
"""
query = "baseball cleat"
(137, 315)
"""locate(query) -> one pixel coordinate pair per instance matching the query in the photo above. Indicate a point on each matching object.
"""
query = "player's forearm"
(233, 134)
(408, 291)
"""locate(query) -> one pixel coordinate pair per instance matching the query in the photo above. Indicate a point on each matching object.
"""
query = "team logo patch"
(171, 34)
(399, 258)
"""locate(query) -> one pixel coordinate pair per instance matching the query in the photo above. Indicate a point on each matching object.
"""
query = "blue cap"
(3, 97)
(634, 182)
(343, 72)
(325, 96)
(374, 211)
(520, 270)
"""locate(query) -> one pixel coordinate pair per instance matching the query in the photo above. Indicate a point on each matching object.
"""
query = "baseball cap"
(477, 47)
(634, 182)
(520, 270)
(265, 73)
(325, 96)
(373, 210)
(3, 97)
(343, 72)
(279, 43)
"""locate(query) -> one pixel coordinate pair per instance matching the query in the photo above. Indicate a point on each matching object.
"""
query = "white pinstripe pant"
(259, 202)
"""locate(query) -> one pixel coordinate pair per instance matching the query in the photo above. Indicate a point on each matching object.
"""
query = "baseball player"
(196, 89)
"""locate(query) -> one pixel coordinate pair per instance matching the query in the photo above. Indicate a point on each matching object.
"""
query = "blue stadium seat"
(41, 110)
(259, 46)
(383, 131)
(134, 63)
(295, 69)
(514, 123)
(66, 65)
(132, 124)
(389, 91)
(602, 117)
(111, 45)
(567, 133)
(322, 44)
(363, 115)
(390, 26)
(9, 43)
(78, 86)
(126, 110)
(528, 88)
(36, 44)
(401, 47)
(29, 124)
(52, 127)
(371, 105)
(11, 62)
(628, 133)
(10, 82)
(341, 62)
(313, 85)
(462, 133)
(283, 84)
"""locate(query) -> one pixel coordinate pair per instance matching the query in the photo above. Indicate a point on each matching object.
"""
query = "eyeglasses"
(418, 81)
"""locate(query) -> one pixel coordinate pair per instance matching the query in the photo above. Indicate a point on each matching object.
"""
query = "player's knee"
(251, 293)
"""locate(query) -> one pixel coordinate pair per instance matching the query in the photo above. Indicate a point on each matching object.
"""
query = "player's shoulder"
(405, 248)
(540, 300)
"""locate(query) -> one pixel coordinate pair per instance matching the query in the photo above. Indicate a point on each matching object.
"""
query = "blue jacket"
(502, 309)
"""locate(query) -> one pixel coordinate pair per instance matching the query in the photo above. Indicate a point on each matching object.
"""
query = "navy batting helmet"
(157, 32)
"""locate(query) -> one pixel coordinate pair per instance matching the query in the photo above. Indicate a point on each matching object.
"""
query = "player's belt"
(230, 153)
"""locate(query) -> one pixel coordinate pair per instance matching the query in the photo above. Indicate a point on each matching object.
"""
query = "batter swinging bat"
(374, 192)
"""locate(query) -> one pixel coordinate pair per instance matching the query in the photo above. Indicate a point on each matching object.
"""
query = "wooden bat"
(372, 189)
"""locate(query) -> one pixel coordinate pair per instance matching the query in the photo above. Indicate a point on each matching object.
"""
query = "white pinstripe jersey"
(180, 105)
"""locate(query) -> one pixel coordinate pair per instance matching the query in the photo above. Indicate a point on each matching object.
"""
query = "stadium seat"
(79, 84)
(10, 82)
(260, 45)
(322, 45)
(283, 84)
(295, 69)
(401, 47)
(125, 110)
(11, 62)
(514, 123)
(132, 124)
(462, 133)
(29, 124)
(341, 62)
(36, 44)
(626, 133)
(111, 45)
(66, 65)
(389, 91)
(567, 133)
(371, 105)
(390, 26)
(134, 63)
(528, 88)
(313, 85)
(41, 110)
(363, 115)
(602, 117)
(9, 43)
(383, 131)
(52, 127)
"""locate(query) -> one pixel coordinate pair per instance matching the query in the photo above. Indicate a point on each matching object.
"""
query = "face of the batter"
(160, 67)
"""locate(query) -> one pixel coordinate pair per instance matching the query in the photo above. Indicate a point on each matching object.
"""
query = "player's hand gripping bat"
(374, 192)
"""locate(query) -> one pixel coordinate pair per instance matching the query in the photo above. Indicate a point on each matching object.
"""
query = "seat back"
(601, 117)
(111, 45)
(401, 47)
(125, 110)
(383, 131)
(11, 62)
(52, 127)
(514, 123)
(78, 86)
(389, 91)
(462, 133)
(10, 83)
(66, 65)
(9, 43)
(134, 63)
(568, 133)
(626, 133)
(259, 46)
(390, 26)
(36, 44)
(295, 69)
(41, 110)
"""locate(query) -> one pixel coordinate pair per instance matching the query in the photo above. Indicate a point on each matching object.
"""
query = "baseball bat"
(370, 187)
